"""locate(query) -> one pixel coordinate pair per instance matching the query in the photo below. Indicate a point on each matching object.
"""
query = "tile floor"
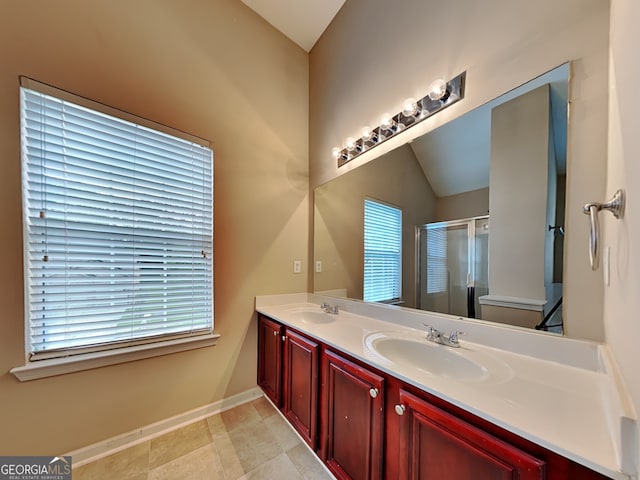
(251, 441)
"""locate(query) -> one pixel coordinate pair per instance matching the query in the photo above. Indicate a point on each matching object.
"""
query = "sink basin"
(311, 315)
(413, 351)
(316, 318)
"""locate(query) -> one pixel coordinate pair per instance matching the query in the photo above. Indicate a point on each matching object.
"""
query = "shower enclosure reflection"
(453, 259)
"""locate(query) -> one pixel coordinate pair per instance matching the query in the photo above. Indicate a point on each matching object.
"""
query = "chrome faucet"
(436, 336)
(329, 309)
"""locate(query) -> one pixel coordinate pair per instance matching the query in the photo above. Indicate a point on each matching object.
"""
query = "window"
(382, 252)
(118, 221)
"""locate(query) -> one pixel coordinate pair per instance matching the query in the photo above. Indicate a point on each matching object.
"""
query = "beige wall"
(376, 53)
(622, 301)
(519, 171)
(209, 67)
(463, 205)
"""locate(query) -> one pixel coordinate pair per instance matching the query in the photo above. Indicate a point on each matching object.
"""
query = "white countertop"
(562, 394)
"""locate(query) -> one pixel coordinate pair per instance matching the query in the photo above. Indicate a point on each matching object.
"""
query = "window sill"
(87, 361)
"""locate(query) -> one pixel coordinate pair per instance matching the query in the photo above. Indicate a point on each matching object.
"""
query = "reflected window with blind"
(118, 222)
(382, 252)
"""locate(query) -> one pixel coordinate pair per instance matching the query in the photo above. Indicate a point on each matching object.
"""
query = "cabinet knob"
(400, 409)
(275, 333)
(374, 392)
(284, 337)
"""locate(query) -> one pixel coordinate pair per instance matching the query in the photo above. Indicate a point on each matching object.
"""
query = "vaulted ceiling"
(301, 21)
(455, 157)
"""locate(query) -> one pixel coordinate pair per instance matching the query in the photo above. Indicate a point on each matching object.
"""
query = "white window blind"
(118, 221)
(437, 272)
(382, 252)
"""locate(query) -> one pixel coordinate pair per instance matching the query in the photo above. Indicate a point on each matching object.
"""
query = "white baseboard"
(115, 444)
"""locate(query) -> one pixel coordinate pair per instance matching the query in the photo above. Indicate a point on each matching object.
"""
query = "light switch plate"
(297, 266)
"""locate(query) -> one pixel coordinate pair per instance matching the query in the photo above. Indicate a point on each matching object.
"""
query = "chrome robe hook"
(615, 206)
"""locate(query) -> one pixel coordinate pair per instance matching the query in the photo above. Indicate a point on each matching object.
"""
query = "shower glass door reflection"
(453, 266)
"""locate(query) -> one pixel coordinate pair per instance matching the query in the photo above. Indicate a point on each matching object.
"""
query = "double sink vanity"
(375, 398)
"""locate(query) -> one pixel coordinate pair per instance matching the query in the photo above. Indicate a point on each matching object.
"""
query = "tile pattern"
(250, 441)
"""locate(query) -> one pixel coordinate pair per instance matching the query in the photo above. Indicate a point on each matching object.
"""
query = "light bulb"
(409, 107)
(350, 143)
(437, 89)
(386, 122)
(335, 151)
(369, 135)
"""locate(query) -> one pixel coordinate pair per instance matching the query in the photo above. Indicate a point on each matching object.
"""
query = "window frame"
(88, 357)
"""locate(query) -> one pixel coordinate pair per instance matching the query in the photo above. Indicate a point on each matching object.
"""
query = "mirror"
(481, 201)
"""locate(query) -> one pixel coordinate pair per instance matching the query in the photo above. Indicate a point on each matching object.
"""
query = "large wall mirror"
(467, 219)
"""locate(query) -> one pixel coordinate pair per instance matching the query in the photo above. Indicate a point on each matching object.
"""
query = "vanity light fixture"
(441, 94)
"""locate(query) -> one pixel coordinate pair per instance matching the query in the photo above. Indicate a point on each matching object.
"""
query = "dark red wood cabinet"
(368, 425)
(300, 385)
(352, 419)
(288, 365)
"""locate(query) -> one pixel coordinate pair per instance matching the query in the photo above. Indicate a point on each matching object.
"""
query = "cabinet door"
(270, 358)
(352, 419)
(300, 385)
(435, 445)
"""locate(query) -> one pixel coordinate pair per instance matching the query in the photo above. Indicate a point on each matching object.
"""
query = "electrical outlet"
(297, 266)
(318, 266)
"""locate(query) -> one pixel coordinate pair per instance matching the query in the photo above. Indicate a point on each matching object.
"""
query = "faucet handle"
(432, 332)
(453, 336)
(324, 305)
